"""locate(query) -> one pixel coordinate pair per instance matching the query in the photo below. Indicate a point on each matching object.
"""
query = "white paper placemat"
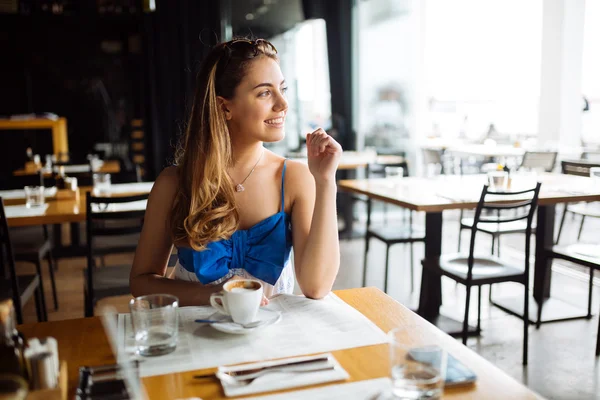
(23, 211)
(307, 327)
(134, 187)
(361, 390)
(121, 207)
(20, 193)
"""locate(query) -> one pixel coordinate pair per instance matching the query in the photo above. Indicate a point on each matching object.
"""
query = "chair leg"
(459, 237)
(465, 331)
(490, 295)
(538, 323)
(526, 323)
(38, 267)
(38, 306)
(581, 227)
(387, 264)
(493, 243)
(52, 280)
(562, 222)
(364, 282)
(479, 309)
(412, 268)
(498, 246)
(590, 288)
(598, 340)
(89, 304)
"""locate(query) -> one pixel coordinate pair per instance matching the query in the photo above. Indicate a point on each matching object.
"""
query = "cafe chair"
(32, 244)
(391, 235)
(474, 270)
(584, 210)
(532, 160)
(117, 219)
(18, 287)
(586, 255)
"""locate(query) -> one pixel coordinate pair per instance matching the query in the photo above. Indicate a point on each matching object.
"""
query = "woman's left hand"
(323, 155)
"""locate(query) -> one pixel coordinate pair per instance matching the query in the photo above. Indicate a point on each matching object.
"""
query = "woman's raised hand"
(323, 155)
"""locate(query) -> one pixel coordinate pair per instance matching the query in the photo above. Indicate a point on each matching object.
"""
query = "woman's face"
(258, 108)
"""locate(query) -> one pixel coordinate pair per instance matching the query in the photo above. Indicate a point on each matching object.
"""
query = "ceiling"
(271, 17)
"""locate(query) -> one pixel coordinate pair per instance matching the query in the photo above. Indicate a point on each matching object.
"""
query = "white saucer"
(270, 318)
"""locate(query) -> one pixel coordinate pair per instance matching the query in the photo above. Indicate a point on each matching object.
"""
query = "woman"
(232, 208)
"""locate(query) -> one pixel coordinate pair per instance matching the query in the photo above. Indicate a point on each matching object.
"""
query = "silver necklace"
(240, 186)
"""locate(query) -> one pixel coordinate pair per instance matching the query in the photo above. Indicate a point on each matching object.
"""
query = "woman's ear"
(224, 106)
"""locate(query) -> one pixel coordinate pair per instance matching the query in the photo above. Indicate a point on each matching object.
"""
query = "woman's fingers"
(318, 142)
(264, 301)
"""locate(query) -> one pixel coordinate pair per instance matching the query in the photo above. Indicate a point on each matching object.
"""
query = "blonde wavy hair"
(204, 209)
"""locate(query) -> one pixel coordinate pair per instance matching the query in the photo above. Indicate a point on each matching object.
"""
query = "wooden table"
(68, 210)
(435, 195)
(60, 144)
(109, 167)
(82, 342)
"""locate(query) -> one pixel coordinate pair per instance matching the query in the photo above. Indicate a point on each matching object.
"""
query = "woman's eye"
(264, 94)
(284, 90)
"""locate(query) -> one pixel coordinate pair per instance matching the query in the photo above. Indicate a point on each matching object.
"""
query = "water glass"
(595, 175)
(498, 181)
(418, 372)
(34, 196)
(155, 323)
(101, 183)
(13, 387)
(434, 170)
(394, 172)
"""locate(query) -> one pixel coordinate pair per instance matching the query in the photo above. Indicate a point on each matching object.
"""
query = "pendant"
(239, 188)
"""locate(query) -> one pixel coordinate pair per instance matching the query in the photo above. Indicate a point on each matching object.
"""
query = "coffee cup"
(240, 299)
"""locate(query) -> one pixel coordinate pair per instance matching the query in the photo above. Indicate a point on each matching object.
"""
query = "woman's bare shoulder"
(167, 182)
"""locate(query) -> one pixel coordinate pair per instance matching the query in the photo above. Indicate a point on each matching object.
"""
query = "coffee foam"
(242, 285)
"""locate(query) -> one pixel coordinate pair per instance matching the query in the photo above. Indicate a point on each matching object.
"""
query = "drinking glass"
(418, 371)
(498, 180)
(13, 387)
(155, 323)
(434, 170)
(101, 183)
(394, 172)
(34, 196)
(595, 175)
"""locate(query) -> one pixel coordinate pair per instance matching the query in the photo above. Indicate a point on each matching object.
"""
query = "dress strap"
(283, 186)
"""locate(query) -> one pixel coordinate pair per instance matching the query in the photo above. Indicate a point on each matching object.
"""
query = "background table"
(435, 195)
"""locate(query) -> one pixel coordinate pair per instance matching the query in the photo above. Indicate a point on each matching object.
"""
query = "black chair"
(391, 235)
(32, 244)
(592, 210)
(18, 287)
(113, 220)
(585, 255)
(474, 270)
(545, 160)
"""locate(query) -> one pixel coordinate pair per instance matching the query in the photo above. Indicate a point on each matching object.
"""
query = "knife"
(248, 372)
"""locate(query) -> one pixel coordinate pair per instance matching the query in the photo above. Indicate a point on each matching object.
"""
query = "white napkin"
(120, 207)
(23, 211)
(361, 390)
(282, 380)
(20, 193)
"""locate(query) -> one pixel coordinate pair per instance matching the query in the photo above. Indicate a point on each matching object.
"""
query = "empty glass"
(13, 387)
(101, 183)
(394, 172)
(498, 180)
(34, 196)
(595, 175)
(155, 323)
(418, 372)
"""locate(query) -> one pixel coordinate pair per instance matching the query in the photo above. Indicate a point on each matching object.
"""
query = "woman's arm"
(154, 248)
(314, 218)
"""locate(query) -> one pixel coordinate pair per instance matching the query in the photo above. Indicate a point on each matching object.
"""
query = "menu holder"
(57, 393)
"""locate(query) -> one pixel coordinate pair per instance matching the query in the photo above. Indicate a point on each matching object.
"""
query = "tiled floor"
(562, 364)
